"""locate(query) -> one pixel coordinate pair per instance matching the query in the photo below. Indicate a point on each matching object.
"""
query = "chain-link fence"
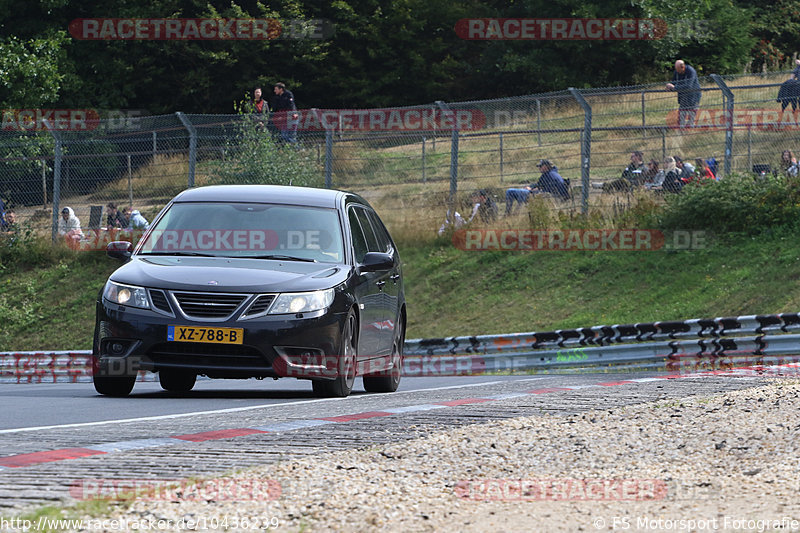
(413, 163)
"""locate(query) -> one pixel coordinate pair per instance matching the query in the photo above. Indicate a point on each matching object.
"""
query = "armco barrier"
(685, 346)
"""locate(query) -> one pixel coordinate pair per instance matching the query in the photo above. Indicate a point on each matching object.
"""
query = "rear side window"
(384, 241)
(369, 233)
(359, 241)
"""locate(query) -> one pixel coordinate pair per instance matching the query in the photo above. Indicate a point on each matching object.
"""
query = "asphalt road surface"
(52, 436)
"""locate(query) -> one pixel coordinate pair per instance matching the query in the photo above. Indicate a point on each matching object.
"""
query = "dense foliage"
(381, 53)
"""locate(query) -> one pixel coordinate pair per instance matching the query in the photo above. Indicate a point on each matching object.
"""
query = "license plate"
(204, 334)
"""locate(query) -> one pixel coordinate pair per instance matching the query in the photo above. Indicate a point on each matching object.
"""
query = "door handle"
(380, 284)
(394, 277)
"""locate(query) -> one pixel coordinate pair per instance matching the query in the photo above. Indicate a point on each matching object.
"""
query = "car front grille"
(208, 305)
(160, 300)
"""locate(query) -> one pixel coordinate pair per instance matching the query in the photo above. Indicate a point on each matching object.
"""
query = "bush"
(734, 204)
(256, 157)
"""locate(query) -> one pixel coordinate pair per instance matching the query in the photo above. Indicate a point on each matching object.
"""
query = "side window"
(359, 242)
(384, 241)
(372, 241)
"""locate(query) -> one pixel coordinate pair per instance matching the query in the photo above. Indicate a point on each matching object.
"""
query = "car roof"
(273, 194)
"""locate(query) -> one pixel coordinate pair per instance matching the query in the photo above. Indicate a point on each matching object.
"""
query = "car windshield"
(258, 231)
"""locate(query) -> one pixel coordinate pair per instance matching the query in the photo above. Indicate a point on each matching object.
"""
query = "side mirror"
(376, 261)
(121, 250)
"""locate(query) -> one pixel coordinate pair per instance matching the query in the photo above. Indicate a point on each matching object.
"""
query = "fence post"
(424, 177)
(644, 124)
(44, 184)
(539, 120)
(586, 148)
(155, 144)
(192, 145)
(749, 148)
(56, 178)
(501, 157)
(328, 158)
(130, 184)
(451, 199)
(728, 97)
(663, 144)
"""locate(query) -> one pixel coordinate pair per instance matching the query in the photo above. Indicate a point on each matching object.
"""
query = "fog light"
(117, 348)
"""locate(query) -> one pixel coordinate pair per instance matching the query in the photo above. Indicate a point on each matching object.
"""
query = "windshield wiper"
(194, 254)
(280, 257)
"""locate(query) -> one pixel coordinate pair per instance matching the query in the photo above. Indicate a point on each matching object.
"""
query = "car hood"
(211, 274)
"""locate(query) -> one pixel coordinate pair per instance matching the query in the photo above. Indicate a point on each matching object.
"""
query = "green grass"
(47, 301)
(453, 292)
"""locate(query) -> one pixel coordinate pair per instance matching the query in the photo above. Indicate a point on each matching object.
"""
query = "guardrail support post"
(586, 148)
(728, 98)
(192, 145)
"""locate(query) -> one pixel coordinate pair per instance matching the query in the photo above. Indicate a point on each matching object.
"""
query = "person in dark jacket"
(686, 83)
(550, 182)
(285, 113)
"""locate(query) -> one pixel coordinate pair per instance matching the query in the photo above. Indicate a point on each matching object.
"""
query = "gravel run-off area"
(725, 462)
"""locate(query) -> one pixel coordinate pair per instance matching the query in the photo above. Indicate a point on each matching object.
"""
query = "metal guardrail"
(683, 346)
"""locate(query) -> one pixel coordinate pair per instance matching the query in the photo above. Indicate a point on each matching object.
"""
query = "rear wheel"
(176, 380)
(389, 382)
(343, 384)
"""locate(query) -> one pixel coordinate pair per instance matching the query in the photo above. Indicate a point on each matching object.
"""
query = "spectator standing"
(260, 108)
(686, 83)
(789, 164)
(285, 113)
(115, 219)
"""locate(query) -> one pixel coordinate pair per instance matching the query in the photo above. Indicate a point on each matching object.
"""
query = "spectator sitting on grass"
(550, 182)
(789, 164)
(9, 223)
(69, 227)
(484, 206)
(702, 171)
(631, 176)
(686, 169)
(135, 219)
(115, 219)
(652, 175)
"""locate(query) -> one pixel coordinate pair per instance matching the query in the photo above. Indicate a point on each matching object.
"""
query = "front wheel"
(346, 374)
(382, 382)
(176, 380)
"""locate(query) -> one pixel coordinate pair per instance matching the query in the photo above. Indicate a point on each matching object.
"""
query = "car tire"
(176, 380)
(118, 386)
(384, 383)
(343, 384)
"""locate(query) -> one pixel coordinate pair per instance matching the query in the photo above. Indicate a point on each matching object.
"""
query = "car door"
(393, 286)
(368, 290)
(383, 342)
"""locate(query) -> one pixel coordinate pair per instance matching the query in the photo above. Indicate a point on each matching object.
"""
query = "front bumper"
(306, 345)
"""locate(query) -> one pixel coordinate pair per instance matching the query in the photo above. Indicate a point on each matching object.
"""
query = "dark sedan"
(246, 281)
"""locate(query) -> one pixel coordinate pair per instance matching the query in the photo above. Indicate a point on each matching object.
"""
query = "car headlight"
(301, 302)
(126, 295)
